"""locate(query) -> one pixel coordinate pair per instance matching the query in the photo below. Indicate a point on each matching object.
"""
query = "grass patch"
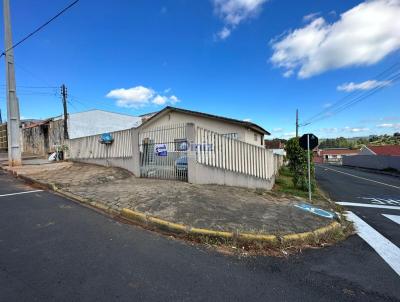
(284, 184)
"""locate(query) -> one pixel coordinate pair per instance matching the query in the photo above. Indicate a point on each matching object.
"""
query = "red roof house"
(332, 154)
(392, 150)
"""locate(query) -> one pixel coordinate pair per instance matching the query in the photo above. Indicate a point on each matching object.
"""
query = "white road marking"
(382, 201)
(367, 205)
(387, 250)
(394, 218)
(19, 193)
(375, 181)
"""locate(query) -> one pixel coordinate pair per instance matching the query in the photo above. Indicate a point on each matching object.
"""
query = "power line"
(40, 28)
(357, 96)
(32, 87)
(35, 75)
(73, 106)
(349, 96)
(89, 105)
(393, 79)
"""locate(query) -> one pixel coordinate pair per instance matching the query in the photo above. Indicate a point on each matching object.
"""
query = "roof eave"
(242, 123)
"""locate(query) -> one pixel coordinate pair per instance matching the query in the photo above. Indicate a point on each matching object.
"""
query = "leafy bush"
(297, 158)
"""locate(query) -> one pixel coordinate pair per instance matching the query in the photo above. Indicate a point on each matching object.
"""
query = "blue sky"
(246, 59)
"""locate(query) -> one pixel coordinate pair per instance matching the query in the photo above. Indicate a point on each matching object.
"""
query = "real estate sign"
(161, 149)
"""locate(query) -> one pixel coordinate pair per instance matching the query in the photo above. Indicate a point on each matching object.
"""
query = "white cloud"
(159, 100)
(363, 35)
(277, 130)
(139, 96)
(355, 129)
(327, 105)
(367, 85)
(134, 97)
(310, 17)
(289, 134)
(288, 73)
(224, 33)
(233, 12)
(173, 99)
(389, 126)
(247, 120)
(329, 130)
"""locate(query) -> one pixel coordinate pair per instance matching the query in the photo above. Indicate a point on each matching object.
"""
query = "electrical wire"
(342, 104)
(32, 87)
(354, 93)
(39, 28)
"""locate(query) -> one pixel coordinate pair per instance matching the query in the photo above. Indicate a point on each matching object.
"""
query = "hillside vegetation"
(358, 142)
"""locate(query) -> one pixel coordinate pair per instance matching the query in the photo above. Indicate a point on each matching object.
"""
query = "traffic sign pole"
(309, 167)
(308, 142)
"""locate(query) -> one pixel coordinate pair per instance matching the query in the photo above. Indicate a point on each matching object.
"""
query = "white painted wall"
(94, 122)
(219, 126)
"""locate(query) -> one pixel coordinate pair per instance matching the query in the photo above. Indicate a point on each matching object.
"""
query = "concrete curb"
(177, 228)
(140, 217)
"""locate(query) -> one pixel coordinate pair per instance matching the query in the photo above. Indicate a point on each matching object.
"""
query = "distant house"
(333, 155)
(235, 129)
(391, 150)
(39, 137)
(276, 145)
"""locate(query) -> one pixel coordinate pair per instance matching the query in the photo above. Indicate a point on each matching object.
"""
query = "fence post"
(191, 152)
(135, 152)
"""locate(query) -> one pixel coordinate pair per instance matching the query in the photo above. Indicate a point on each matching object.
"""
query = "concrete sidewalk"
(214, 207)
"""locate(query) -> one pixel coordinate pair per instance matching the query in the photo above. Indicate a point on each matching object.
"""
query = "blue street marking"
(316, 211)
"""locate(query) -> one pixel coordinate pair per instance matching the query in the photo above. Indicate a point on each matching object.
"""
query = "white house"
(237, 129)
(187, 145)
(40, 137)
(97, 121)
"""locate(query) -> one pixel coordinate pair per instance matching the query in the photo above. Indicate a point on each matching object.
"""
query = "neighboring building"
(241, 130)
(391, 150)
(276, 145)
(40, 137)
(189, 146)
(333, 155)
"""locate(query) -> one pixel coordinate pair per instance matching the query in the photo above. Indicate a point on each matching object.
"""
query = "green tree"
(297, 158)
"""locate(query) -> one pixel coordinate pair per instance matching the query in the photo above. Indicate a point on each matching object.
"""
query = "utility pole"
(297, 122)
(64, 101)
(13, 119)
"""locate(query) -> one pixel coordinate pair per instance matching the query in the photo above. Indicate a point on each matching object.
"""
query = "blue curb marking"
(316, 211)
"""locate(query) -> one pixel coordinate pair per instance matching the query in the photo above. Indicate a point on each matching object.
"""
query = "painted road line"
(19, 193)
(368, 205)
(394, 218)
(371, 180)
(387, 250)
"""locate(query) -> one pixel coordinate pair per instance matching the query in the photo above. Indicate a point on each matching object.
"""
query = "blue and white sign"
(316, 211)
(161, 149)
(106, 138)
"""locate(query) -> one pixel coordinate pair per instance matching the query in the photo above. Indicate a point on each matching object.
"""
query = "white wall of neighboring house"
(222, 127)
(94, 122)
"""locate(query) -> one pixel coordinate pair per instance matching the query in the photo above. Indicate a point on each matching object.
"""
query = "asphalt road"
(374, 198)
(361, 187)
(53, 249)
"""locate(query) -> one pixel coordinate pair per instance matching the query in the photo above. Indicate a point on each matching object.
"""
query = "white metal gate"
(163, 152)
